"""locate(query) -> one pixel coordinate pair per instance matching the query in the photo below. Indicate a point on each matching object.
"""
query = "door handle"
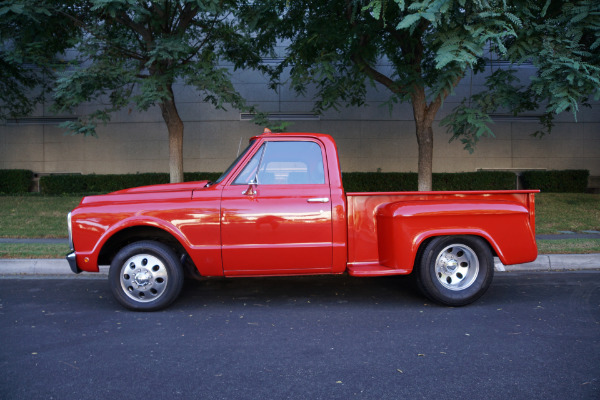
(319, 200)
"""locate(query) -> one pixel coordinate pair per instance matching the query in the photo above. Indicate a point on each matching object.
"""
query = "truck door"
(276, 213)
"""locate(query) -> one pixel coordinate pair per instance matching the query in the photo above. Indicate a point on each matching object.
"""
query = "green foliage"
(429, 44)
(418, 51)
(130, 53)
(65, 184)
(482, 180)
(14, 181)
(568, 181)
(32, 38)
(379, 181)
(561, 40)
(353, 181)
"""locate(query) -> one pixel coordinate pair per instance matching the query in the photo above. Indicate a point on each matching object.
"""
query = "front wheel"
(455, 270)
(146, 276)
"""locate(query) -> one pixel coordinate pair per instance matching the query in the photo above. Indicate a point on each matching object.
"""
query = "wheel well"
(425, 242)
(134, 234)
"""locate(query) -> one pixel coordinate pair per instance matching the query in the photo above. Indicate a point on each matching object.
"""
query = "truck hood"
(167, 187)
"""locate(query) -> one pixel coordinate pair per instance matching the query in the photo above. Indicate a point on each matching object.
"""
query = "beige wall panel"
(257, 92)
(501, 130)
(493, 163)
(267, 106)
(33, 152)
(22, 134)
(589, 115)
(591, 131)
(389, 130)
(30, 165)
(58, 152)
(490, 147)
(591, 149)
(524, 130)
(551, 163)
(349, 148)
(207, 165)
(338, 128)
(382, 149)
(133, 132)
(68, 166)
(454, 164)
(396, 164)
(304, 107)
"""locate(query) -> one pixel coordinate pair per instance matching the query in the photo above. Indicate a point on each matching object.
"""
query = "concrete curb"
(554, 262)
(42, 267)
(548, 262)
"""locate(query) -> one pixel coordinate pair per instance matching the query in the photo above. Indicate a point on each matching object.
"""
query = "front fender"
(403, 226)
(87, 259)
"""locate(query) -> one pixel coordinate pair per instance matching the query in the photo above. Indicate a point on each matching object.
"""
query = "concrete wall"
(369, 138)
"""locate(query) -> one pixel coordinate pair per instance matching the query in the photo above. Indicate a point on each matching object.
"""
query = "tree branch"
(365, 67)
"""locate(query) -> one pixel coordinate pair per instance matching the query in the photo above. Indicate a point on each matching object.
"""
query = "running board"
(364, 269)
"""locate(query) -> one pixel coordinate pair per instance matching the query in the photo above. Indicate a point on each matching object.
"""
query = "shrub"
(566, 181)
(379, 181)
(547, 181)
(481, 180)
(14, 181)
(61, 184)
(408, 181)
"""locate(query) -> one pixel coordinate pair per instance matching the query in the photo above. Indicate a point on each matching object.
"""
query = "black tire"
(455, 270)
(146, 276)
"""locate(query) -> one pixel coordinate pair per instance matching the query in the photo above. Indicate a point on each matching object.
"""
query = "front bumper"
(73, 262)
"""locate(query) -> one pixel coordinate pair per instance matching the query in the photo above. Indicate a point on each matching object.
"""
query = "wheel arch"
(136, 233)
(424, 242)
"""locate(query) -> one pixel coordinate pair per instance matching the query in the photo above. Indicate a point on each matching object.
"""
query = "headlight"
(70, 232)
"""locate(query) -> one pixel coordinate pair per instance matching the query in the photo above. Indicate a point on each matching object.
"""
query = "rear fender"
(403, 226)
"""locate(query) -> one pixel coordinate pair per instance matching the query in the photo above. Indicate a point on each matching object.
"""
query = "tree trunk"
(424, 121)
(425, 143)
(175, 128)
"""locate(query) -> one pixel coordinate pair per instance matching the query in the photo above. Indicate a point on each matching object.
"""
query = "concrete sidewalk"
(550, 262)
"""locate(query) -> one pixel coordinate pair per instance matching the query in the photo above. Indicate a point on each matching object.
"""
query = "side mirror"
(251, 191)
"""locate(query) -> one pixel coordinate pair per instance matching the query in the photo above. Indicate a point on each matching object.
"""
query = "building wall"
(369, 138)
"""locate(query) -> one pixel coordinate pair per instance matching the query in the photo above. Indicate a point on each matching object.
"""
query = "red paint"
(235, 229)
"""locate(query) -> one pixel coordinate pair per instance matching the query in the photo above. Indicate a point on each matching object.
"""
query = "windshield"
(228, 170)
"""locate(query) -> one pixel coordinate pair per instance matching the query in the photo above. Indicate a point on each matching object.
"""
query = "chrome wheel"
(455, 270)
(144, 277)
(457, 267)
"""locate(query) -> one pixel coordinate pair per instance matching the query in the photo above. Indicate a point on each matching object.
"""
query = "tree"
(31, 37)
(431, 45)
(132, 51)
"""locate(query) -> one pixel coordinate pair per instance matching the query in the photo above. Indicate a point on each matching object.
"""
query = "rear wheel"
(455, 270)
(146, 276)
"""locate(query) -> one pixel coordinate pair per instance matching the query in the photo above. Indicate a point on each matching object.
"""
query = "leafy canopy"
(420, 50)
(31, 36)
(133, 52)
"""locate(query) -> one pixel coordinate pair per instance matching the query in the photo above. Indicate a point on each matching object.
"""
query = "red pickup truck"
(280, 209)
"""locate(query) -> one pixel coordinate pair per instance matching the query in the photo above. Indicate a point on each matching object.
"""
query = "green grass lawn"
(575, 212)
(33, 250)
(34, 216)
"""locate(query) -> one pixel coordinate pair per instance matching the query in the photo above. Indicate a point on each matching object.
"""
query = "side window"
(284, 163)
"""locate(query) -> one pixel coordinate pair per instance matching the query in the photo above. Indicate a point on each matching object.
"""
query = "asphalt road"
(532, 336)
